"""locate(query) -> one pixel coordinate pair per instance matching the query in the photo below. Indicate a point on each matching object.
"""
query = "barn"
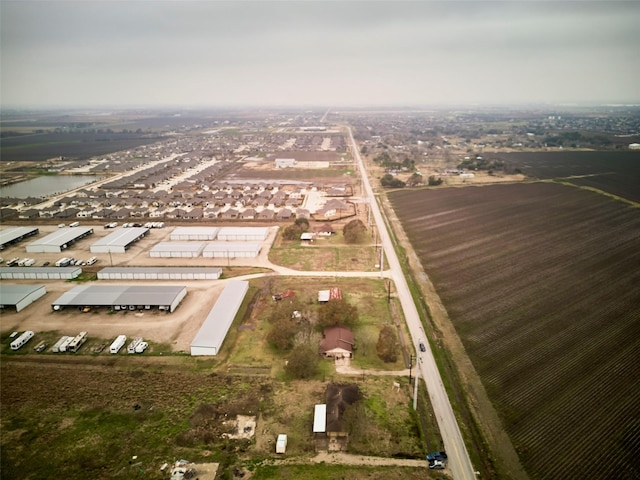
(213, 331)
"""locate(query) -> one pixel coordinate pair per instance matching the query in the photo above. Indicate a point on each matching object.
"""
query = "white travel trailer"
(141, 347)
(64, 345)
(21, 340)
(118, 343)
(63, 339)
(134, 343)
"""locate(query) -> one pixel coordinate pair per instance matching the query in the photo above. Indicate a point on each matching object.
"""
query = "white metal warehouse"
(10, 236)
(40, 273)
(194, 233)
(231, 250)
(119, 241)
(243, 234)
(20, 296)
(59, 240)
(160, 273)
(177, 249)
(122, 297)
(213, 331)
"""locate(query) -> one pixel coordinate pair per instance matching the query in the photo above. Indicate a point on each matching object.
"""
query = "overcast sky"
(214, 53)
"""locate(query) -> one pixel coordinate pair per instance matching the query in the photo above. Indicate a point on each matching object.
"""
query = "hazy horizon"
(146, 54)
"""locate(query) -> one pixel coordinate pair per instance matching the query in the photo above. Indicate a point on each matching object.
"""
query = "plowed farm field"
(542, 283)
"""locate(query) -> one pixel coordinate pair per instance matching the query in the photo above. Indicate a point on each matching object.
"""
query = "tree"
(389, 180)
(387, 346)
(293, 231)
(337, 312)
(282, 333)
(433, 181)
(354, 231)
(303, 362)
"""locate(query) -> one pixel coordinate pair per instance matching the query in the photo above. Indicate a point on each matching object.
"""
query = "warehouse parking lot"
(176, 329)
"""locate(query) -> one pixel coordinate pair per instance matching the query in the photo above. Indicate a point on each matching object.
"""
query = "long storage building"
(181, 234)
(57, 241)
(243, 234)
(39, 273)
(20, 296)
(10, 236)
(231, 250)
(119, 241)
(177, 249)
(160, 273)
(213, 331)
(122, 297)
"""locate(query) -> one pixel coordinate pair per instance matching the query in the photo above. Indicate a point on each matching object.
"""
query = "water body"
(46, 186)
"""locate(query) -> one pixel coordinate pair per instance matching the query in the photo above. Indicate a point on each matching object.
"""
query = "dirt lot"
(176, 329)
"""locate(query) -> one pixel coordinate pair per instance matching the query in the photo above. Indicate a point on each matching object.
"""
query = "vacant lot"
(92, 415)
(540, 281)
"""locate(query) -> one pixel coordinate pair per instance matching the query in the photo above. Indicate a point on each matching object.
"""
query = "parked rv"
(64, 262)
(74, 224)
(13, 262)
(19, 342)
(118, 343)
(141, 347)
(29, 262)
(92, 260)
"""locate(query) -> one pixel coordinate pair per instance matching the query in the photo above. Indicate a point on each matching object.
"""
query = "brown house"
(338, 342)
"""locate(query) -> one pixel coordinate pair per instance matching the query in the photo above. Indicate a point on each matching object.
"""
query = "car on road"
(436, 456)
(422, 347)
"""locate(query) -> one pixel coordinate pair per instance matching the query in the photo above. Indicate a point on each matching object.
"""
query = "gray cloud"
(359, 52)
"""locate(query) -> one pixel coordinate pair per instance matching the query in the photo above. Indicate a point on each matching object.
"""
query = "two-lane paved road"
(459, 461)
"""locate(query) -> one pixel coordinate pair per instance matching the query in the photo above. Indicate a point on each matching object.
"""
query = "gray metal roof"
(162, 269)
(121, 237)
(107, 295)
(216, 325)
(10, 234)
(178, 246)
(62, 236)
(13, 294)
(243, 233)
(195, 231)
